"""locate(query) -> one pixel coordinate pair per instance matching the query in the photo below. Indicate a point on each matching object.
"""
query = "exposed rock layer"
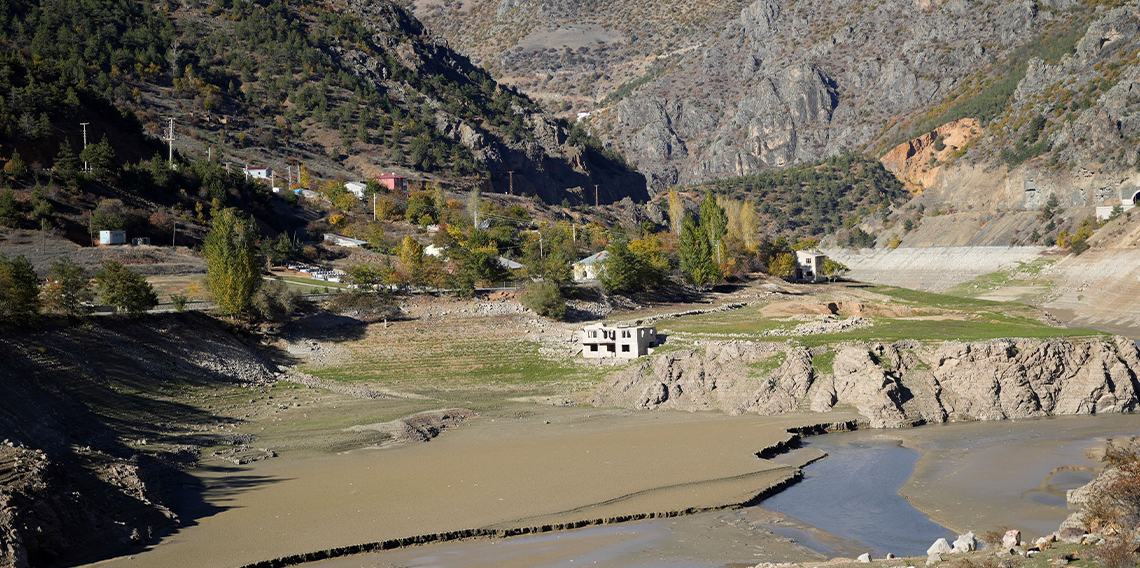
(892, 385)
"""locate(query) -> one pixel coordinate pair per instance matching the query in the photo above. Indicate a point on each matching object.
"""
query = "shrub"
(1116, 503)
(67, 289)
(545, 298)
(1116, 553)
(124, 288)
(273, 300)
(179, 301)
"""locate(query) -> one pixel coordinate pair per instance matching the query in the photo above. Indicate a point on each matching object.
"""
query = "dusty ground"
(555, 465)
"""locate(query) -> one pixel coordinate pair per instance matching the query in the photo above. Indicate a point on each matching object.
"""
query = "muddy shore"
(561, 465)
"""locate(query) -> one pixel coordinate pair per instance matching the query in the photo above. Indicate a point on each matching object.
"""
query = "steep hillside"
(97, 428)
(573, 54)
(346, 88)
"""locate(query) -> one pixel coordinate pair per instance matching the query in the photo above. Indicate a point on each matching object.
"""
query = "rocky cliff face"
(790, 82)
(892, 385)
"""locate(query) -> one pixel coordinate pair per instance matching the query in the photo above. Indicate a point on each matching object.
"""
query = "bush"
(1115, 504)
(365, 306)
(545, 298)
(273, 300)
(1116, 553)
(124, 288)
(179, 302)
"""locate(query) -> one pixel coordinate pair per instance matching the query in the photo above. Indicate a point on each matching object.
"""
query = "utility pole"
(512, 186)
(174, 234)
(574, 231)
(595, 195)
(170, 140)
(373, 206)
(84, 125)
(210, 154)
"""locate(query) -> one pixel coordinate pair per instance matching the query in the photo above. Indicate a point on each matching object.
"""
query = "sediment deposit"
(893, 385)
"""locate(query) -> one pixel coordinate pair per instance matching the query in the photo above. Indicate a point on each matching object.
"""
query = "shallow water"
(854, 494)
(1011, 473)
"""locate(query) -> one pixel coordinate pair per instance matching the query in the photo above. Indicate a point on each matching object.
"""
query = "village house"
(356, 188)
(394, 182)
(590, 267)
(809, 265)
(600, 341)
(259, 172)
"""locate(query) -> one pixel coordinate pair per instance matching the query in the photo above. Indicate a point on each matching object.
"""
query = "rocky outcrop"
(893, 385)
(917, 162)
(794, 82)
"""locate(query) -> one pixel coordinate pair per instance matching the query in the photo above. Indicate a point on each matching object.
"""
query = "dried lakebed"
(847, 504)
(590, 464)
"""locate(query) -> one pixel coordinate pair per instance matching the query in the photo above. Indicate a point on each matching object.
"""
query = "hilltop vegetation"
(348, 89)
(817, 199)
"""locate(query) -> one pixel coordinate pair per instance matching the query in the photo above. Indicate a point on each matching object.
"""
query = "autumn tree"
(67, 289)
(783, 265)
(833, 269)
(233, 271)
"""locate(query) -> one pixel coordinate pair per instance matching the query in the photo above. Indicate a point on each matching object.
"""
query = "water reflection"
(853, 494)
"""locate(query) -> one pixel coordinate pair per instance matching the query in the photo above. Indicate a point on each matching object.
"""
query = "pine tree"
(233, 272)
(101, 158)
(19, 291)
(9, 210)
(66, 164)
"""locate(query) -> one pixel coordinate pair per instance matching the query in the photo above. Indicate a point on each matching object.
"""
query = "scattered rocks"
(965, 543)
(940, 546)
(1011, 539)
(934, 558)
(864, 558)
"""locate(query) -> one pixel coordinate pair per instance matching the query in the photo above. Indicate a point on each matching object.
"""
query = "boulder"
(1011, 539)
(934, 558)
(864, 558)
(965, 543)
(940, 546)
(1071, 535)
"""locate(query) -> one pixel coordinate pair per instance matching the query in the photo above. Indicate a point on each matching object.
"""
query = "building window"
(593, 348)
(625, 349)
(610, 348)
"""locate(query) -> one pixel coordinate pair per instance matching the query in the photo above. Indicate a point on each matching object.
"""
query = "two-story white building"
(600, 341)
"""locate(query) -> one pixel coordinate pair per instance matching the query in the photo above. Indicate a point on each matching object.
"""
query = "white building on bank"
(809, 265)
(600, 341)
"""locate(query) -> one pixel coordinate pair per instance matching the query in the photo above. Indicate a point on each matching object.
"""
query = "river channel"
(878, 491)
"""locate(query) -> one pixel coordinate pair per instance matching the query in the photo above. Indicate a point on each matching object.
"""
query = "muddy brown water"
(970, 476)
(878, 491)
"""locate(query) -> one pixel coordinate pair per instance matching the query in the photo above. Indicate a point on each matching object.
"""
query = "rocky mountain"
(572, 54)
(893, 385)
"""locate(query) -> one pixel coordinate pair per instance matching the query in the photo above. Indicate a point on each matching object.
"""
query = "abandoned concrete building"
(600, 341)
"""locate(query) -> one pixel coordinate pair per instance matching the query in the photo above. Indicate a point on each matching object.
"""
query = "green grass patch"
(461, 363)
(743, 321)
(765, 367)
(823, 364)
(978, 329)
(932, 300)
(1023, 274)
